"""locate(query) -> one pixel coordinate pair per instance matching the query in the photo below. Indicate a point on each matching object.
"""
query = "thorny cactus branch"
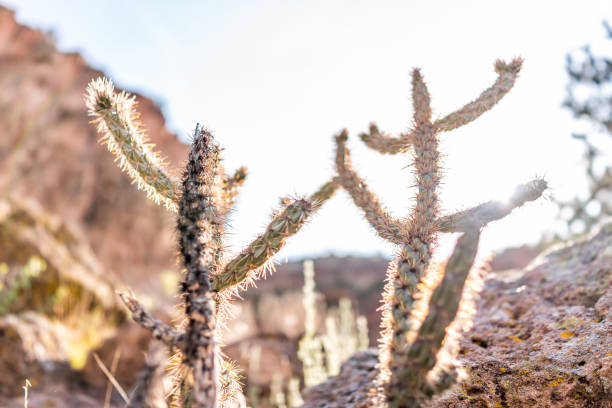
(385, 225)
(507, 74)
(198, 225)
(117, 122)
(149, 380)
(443, 308)
(409, 367)
(203, 200)
(288, 221)
(483, 214)
(231, 185)
(160, 331)
(420, 100)
(385, 143)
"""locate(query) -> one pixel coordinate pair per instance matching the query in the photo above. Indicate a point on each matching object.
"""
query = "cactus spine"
(410, 370)
(203, 200)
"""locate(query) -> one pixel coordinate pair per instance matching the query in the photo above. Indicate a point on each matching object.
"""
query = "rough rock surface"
(50, 152)
(542, 337)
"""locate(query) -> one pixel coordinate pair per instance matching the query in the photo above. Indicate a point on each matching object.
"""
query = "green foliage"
(19, 282)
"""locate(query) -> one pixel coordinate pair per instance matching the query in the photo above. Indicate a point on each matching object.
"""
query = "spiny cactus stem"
(483, 214)
(383, 223)
(507, 74)
(443, 308)
(283, 225)
(149, 380)
(385, 143)
(160, 331)
(198, 223)
(117, 122)
(325, 192)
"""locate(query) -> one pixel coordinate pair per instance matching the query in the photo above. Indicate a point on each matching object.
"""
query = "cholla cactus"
(203, 200)
(411, 367)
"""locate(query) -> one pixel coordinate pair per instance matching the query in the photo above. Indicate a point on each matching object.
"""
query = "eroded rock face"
(542, 337)
(50, 152)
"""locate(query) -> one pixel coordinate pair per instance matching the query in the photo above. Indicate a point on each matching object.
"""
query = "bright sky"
(275, 80)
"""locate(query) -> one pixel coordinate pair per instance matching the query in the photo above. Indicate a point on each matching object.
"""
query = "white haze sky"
(275, 80)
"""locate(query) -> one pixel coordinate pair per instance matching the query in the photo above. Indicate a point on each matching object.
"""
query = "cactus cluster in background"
(322, 354)
(412, 367)
(203, 199)
(415, 353)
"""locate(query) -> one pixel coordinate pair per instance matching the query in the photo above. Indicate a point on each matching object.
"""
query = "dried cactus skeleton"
(411, 368)
(203, 200)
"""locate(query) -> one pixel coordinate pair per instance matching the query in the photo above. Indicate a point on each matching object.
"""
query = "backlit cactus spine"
(410, 371)
(203, 200)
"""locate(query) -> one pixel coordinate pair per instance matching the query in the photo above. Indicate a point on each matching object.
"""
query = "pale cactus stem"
(149, 381)
(385, 143)
(383, 223)
(230, 188)
(507, 75)
(443, 307)
(483, 214)
(414, 325)
(160, 331)
(117, 122)
(287, 222)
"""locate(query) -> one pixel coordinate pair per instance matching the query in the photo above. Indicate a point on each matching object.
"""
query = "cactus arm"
(325, 192)
(383, 223)
(227, 188)
(483, 214)
(117, 122)
(507, 75)
(160, 331)
(287, 222)
(231, 184)
(421, 102)
(283, 225)
(443, 307)
(385, 143)
(149, 379)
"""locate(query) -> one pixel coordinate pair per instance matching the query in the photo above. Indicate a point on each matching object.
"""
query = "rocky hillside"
(50, 152)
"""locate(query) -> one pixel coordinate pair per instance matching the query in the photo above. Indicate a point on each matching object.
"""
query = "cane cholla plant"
(203, 199)
(411, 366)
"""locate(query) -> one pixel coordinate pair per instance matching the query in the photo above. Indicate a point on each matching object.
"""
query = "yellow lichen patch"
(568, 323)
(515, 339)
(567, 334)
(608, 354)
(502, 369)
(555, 382)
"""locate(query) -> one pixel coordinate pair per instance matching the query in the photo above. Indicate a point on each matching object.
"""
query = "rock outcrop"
(542, 337)
(50, 152)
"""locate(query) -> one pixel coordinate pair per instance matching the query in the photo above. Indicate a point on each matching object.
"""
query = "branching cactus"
(412, 367)
(202, 199)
